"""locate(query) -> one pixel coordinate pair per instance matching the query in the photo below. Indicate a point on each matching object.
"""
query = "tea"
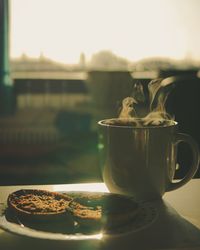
(138, 122)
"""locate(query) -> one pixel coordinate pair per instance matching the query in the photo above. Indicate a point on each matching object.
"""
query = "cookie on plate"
(38, 204)
(102, 210)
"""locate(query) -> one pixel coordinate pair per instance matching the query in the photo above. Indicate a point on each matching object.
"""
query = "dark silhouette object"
(183, 103)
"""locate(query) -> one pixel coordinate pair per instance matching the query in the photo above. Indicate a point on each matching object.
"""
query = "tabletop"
(170, 223)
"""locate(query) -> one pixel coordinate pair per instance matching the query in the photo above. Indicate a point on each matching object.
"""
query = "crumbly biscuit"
(38, 204)
(102, 210)
(85, 215)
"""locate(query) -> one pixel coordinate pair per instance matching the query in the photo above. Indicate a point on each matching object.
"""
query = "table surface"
(176, 226)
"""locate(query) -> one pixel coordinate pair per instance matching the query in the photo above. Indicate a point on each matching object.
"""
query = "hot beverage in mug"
(139, 158)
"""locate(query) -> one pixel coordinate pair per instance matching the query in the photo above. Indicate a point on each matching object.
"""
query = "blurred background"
(66, 64)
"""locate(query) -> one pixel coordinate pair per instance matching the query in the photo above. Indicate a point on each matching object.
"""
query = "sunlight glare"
(88, 187)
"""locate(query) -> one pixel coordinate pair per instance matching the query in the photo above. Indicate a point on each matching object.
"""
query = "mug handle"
(180, 137)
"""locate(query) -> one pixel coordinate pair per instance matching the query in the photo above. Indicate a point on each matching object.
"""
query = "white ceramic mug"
(141, 161)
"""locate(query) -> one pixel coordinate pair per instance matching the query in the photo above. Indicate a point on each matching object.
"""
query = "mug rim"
(101, 123)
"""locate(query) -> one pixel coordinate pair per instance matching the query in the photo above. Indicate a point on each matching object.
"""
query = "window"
(75, 31)
(72, 63)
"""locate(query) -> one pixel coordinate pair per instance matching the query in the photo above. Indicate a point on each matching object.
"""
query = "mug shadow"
(168, 229)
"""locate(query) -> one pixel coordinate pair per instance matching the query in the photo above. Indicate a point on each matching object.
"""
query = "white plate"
(146, 215)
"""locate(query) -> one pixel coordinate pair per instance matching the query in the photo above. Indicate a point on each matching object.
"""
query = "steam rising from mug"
(159, 90)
